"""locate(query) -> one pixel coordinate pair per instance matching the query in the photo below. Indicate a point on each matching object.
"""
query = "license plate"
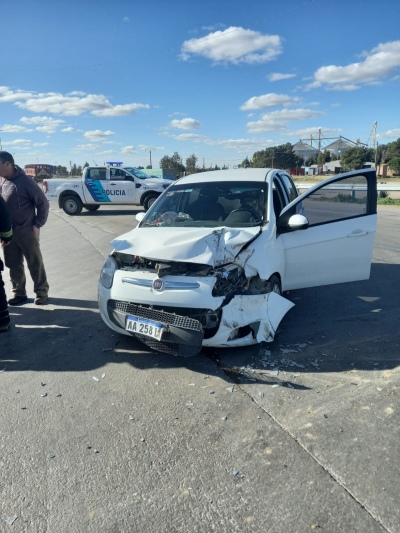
(143, 326)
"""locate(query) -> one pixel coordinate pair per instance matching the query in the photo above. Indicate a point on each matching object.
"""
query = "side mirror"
(140, 216)
(296, 222)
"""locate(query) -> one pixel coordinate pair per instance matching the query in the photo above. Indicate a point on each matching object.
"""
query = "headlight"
(107, 272)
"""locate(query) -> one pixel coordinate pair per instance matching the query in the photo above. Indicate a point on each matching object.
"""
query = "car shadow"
(337, 328)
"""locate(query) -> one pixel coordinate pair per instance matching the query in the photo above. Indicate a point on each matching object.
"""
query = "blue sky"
(99, 80)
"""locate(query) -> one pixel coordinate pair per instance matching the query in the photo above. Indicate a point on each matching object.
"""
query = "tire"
(149, 201)
(275, 285)
(72, 205)
(91, 207)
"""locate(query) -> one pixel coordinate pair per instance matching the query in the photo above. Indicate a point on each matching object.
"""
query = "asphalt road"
(98, 434)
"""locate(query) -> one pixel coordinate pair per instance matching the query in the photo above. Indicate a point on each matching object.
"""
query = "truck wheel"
(72, 205)
(91, 207)
(149, 201)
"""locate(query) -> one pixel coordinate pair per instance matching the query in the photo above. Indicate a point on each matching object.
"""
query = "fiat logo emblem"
(158, 285)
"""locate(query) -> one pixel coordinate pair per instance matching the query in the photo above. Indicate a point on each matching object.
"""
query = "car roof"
(236, 174)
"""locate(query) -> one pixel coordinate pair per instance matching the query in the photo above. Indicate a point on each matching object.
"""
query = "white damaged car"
(209, 261)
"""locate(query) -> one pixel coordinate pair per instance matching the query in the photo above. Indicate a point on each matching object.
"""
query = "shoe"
(4, 327)
(41, 300)
(17, 300)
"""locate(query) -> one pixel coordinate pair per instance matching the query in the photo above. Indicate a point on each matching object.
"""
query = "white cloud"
(381, 62)
(97, 135)
(69, 129)
(268, 100)
(10, 128)
(314, 131)
(41, 144)
(47, 124)
(19, 142)
(72, 104)
(87, 147)
(185, 124)
(234, 45)
(128, 150)
(278, 120)
(126, 19)
(240, 145)
(119, 110)
(276, 76)
(389, 134)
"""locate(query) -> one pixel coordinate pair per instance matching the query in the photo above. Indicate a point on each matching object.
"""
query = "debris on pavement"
(95, 379)
(11, 519)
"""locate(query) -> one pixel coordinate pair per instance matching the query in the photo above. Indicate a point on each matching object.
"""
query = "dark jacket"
(5, 222)
(26, 202)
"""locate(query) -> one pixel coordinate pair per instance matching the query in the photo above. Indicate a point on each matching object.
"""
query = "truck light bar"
(112, 163)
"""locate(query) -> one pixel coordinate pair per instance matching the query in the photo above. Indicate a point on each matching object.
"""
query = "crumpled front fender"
(262, 312)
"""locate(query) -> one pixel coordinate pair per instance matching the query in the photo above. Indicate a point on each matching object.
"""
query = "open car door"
(328, 232)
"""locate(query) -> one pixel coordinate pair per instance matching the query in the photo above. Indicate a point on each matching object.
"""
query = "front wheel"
(149, 201)
(72, 205)
(275, 285)
(91, 207)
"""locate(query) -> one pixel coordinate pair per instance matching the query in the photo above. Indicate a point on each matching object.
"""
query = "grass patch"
(388, 201)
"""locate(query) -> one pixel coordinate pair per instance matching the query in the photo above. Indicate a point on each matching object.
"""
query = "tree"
(393, 154)
(86, 165)
(246, 163)
(355, 157)
(281, 156)
(172, 162)
(395, 164)
(191, 164)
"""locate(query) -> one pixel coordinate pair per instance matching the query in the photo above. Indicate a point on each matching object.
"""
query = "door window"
(289, 186)
(97, 173)
(119, 174)
(346, 198)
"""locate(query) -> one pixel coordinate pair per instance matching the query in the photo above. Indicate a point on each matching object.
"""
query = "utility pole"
(375, 144)
(70, 168)
(150, 149)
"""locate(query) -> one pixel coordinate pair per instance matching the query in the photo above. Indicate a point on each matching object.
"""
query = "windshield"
(138, 173)
(216, 204)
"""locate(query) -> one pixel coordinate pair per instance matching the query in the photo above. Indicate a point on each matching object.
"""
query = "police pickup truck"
(110, 184)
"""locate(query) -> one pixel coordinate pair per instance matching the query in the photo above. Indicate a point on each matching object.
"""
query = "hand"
(36, 230)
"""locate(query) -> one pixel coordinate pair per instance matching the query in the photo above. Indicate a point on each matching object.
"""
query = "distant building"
(338, 147)
(305, 150)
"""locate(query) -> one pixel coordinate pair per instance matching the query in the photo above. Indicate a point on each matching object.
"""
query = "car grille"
(156, 315)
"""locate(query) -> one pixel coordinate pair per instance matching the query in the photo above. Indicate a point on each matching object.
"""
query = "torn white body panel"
(263, 313)
(193, 245)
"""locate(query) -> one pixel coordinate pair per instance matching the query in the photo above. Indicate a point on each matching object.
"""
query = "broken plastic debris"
(103, 376)
(235, 472)
(44, 395)
(189, 404)
(224, 418)
(2, 370)
(261, 394)
(276, 385)
(96, 379)
(230, 389)
(43, 384)
(11, 519)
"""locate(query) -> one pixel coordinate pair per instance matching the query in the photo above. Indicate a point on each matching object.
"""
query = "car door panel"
(338, 244)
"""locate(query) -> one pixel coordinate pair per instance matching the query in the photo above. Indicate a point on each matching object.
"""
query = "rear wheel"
(275, 285)
(149, 201)
(72, 205)
(91, 207)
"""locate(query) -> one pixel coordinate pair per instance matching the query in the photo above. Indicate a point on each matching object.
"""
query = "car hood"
(204, 246)
(154, 182)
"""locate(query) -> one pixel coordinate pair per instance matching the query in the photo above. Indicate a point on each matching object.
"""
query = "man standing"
(5, 237)
(29, 209)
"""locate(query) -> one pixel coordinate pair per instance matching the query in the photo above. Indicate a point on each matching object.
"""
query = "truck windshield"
(138, 173)
(216, 204)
